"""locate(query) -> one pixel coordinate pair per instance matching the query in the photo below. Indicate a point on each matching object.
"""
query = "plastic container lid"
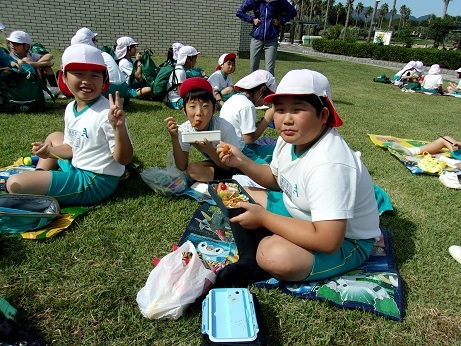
(228, 315)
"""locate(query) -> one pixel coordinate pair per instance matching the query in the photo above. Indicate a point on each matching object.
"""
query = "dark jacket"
(275, 9)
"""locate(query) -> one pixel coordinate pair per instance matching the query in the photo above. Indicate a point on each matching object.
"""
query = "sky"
(418, 7)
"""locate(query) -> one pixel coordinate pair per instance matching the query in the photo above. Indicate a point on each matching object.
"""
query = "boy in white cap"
(20, 44)
(187, 58)
(433, 81)
(318, 217)
(240, 110)
(221, 79)
(95, 146)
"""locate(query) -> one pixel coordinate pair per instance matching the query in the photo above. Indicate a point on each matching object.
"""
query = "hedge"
(449, 59)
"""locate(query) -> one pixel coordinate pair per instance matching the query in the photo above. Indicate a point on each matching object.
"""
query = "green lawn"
(79, 288)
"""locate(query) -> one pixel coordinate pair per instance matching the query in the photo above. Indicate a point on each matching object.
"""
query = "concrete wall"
(210, 26)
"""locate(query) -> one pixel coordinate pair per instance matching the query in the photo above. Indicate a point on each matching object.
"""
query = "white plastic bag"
(166, 181)
(173, 285)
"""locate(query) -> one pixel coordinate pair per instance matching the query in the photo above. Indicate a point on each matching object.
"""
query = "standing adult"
(267, 19)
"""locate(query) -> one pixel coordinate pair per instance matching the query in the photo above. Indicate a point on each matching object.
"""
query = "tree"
(403, 14)
(382, 12)
(339, 10)
(368, 13)
(349, 9)
(326, 13)
(358, 11)
(393, 12)
(445, 7)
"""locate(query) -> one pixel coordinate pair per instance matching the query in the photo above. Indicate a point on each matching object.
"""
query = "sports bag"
(20, 213)
(159, 88)
(21, 92)
(149, 69)
(382, 79)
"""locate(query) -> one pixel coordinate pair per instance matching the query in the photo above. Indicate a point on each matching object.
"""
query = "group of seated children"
(317, 216)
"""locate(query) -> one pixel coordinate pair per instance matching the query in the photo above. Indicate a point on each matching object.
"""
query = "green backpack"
(21, 92)
(382, 79)
(109, 50)
(149, 69)
(159, 88)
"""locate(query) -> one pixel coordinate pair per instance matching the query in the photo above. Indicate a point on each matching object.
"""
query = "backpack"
(149, 69)
(159, 88)
(382, 79)
(22, 92)
(109, 50)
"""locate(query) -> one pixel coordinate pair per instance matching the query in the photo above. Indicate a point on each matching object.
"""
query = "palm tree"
(349, 9)
(339, 10)
(326, 14)
(382, 12)
(402, 11)
(445, 7)
(393, 12)
(358, 11)
(368, 13)
(405, 12)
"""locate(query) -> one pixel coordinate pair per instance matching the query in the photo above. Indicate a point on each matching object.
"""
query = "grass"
(79, 288)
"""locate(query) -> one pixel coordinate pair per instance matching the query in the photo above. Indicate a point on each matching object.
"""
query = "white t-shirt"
(432, 81)
(126, 67)
(241, 113)
(115, 75)
(32, 56)
(228, 134)
(327, 182)
(92, 138)
(217, 80)
(173, 95)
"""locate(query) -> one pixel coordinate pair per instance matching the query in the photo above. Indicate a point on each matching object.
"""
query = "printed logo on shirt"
(75, 135)
(295, 190)
(285, 186)
(85, 133)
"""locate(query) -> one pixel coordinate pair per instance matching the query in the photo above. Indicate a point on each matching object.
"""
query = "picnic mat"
(410, 162)
(375, 286)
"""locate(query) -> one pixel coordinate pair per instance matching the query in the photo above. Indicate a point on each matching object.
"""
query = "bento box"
(227, 199)
(191, 137)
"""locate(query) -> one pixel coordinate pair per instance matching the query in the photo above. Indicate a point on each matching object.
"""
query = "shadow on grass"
(402, 233)
(285, 56)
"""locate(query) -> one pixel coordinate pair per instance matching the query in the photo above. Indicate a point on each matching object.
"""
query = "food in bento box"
(230, 194)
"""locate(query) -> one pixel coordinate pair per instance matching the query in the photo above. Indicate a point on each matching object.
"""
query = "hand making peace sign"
(116, 114)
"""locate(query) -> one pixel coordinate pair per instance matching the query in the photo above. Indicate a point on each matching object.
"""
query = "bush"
(449, 59)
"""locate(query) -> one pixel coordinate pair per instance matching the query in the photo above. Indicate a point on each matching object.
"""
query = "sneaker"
(430, 165)
(46, 95)
(450, 162)
(450, 179)
(455, 252)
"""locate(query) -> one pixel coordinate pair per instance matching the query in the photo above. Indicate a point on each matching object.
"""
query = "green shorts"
(75, 186)
(351, 254)
(175, 105)
(124, 90)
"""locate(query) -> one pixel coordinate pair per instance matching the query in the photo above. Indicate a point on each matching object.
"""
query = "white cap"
(80, 38)
(87, 32)
(458, 70)
(307, 82)
(256, 78)
(435, 69)
(19, 36)
(122, 44)
(226, 56)
(419, 66)
(176, 47)
(184, 52)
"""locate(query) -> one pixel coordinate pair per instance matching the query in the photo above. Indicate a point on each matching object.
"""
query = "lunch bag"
(20, 213)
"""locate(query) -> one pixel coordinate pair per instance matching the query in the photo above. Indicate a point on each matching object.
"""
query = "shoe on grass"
(450, 179)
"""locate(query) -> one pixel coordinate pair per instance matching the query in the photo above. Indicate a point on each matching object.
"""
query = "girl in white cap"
(318, 217)
(433, 81)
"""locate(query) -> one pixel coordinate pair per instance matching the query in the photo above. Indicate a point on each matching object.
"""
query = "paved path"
(448, 75)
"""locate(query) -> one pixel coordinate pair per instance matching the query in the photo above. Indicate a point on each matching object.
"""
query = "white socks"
(407, 151)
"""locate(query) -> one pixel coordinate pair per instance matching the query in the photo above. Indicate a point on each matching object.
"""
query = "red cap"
(194, 83)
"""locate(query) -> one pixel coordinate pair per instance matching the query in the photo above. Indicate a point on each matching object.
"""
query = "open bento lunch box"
(232, 194)
(229, 315)
(191, 137)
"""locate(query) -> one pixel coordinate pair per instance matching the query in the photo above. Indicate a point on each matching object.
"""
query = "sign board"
(382, 36)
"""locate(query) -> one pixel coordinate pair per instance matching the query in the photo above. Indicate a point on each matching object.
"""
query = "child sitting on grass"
(199, 107)
(221, 79)
(83, 165)
(318, 217)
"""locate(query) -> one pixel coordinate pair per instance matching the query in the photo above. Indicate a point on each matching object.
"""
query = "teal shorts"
(175, 105)
(75, 186)
(124, 90)
(351, 254)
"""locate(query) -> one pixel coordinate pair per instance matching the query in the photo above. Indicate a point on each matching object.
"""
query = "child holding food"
(318, 217)
(199, 107)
